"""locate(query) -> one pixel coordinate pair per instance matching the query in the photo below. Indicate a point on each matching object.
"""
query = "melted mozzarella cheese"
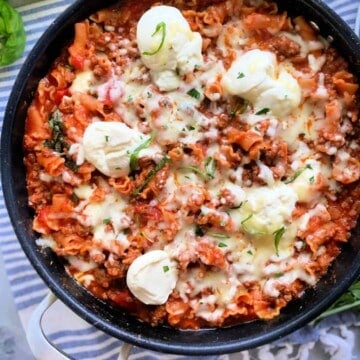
(302, 122)
(282, 96)
(303, 184)
(265, 174)
(83, 82)
(167, 45)
(305, 45)
(108, 219)
(83, 191)
(271, 285)
(107, 145)
(172, 116)
(152, 277)
(80, 264)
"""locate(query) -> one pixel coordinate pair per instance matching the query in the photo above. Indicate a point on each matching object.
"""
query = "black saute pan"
(113, 321)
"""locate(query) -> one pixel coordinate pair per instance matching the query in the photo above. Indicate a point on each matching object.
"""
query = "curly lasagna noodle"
(195, 162)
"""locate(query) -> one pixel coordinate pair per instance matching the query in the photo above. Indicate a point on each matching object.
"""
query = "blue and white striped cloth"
(65, 329)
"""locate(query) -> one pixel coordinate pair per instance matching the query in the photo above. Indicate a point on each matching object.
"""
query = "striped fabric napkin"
(334, 338)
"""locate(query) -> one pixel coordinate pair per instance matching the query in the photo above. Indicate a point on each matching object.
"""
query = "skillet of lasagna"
(195, 163)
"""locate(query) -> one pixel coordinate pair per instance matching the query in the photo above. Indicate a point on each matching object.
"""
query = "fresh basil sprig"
(349, 300)
(165, 160)
(12, 34)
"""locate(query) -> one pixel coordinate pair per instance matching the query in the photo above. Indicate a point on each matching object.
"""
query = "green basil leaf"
(195, 170)
(278, 235)
(151, 174)
(160, 27)
(262, 111)
(134, 157)
(246, 219)
(210, 167)
(297, 173)
(12, 34)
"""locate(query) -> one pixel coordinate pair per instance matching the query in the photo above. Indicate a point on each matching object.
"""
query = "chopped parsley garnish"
(160, 27)
(107, 138)
(278, 235)
(134, 157)
(107, 221)
(194, 93)
(240, 75)
(166, 268)
(249, 252)
(278, 274)
(297, 173)
(222, 245)
(262, 111)
(312, 180)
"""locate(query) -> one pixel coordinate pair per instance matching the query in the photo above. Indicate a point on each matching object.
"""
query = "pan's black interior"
(109, 319)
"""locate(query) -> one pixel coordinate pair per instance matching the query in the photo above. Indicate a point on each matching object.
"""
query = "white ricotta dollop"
(282, 97)
(250, 73)
(256, 76)
(167, 45)
(152, 277)
(108, 145)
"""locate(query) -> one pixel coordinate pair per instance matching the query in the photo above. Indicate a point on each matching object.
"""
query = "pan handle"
(41, 347)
